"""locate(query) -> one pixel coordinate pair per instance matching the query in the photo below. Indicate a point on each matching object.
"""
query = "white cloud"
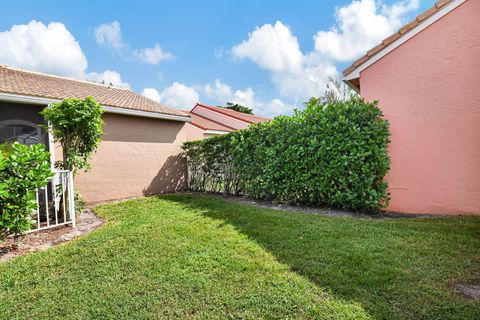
(180, 96)
(110, 34)
(271, 47)
(311, 81)
(177, 95)
(222, 93)
(275, 48)
(360, 26)
(108, 77)
(218, 91)
(47, 48)
(151, 93)
(51, 49)
(153, 55)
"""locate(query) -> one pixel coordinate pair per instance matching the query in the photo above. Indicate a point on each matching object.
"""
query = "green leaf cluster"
(77, 125)
(22, 170)
(239, 108)
(329, 154)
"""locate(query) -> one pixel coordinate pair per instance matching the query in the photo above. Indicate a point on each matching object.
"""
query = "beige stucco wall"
(138, 156)
(193, 132)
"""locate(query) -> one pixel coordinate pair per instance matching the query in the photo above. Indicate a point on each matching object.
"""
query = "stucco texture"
(428, 90)
(137, 156)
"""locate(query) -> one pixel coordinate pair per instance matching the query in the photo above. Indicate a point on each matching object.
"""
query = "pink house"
(426, 77)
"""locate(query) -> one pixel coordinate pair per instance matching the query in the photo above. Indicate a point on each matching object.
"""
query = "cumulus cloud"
(51, 49)
(110, 34)
(275, 48)
(222, 93)
(47, 48)
(153, 55)
(360, 26)
(177, 95)
(311, 81)
(272, 47)
(107, 77)
(151, 93)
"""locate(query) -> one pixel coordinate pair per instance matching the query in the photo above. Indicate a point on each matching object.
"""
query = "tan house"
(209, 121)
(141, 147)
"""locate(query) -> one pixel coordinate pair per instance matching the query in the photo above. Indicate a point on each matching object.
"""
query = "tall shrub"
(22, 170)
(77, 125)
(329, 154)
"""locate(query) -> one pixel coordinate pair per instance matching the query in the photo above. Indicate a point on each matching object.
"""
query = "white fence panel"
(55, 202)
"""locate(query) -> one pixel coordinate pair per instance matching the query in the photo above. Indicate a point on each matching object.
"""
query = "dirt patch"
(319, 211)
(42, 240)
(471, 291)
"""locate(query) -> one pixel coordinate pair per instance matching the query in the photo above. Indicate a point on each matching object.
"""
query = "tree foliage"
(239, 108)
(329, 154)
(77, 125)
(22, 170)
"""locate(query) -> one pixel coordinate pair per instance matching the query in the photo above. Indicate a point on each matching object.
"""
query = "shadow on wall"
(171, 177)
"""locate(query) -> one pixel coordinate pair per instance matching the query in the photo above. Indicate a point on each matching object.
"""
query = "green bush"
(329, 154)
(22, 170)
(77, 125)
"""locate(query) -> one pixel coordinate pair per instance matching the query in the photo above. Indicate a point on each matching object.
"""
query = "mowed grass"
(199, 257)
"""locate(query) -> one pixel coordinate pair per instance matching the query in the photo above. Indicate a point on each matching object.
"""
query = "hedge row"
(325, 155)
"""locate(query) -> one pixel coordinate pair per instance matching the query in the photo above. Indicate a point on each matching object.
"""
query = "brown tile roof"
(207, 124)
(249, 118)
(386, 42)
(36, 84)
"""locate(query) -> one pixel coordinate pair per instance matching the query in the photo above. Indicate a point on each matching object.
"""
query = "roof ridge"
(62, 77)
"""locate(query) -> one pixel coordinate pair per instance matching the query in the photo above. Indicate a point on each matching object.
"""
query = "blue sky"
(270, 55)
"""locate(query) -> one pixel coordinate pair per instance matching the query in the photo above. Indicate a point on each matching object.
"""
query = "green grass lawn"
(198, 257)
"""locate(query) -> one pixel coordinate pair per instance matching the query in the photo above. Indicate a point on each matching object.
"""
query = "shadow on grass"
(396, 269)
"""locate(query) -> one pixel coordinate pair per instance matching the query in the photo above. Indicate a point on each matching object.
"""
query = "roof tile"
(208, 124)
(427, 14)
(408, 26)
(35, 84)
(391, 39)
(441, 3)
(250, 118)
(374, 50)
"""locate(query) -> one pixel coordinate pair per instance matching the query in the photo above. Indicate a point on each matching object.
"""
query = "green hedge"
(325, 155)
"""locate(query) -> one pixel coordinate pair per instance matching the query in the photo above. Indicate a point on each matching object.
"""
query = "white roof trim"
(404, 38)
(216, 132)
(130, 112)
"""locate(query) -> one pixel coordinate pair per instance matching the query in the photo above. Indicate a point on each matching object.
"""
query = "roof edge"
(214, 109)
(10, 97)
(405, 33)
(6, 66)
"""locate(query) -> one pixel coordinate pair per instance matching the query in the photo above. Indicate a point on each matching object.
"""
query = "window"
(22, 131)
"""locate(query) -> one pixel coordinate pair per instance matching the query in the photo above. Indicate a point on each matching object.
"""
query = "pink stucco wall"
(429, 90)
